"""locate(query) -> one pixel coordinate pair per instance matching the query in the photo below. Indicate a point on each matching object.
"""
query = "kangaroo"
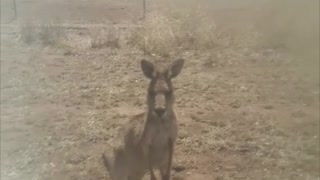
(147, 141)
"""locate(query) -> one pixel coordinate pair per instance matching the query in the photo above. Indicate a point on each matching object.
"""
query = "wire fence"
(13, 10)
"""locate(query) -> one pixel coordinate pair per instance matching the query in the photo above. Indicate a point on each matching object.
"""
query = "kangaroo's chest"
(159, 146)
(161, 134)
(160, 138)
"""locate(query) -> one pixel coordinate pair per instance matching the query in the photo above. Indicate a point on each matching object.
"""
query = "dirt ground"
(253, 115)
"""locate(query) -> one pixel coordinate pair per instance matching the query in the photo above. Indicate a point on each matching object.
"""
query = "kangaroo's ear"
(175, 68)
(148, 69)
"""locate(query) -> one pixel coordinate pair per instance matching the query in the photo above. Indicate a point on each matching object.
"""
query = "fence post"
(14, 10)
(144, 9)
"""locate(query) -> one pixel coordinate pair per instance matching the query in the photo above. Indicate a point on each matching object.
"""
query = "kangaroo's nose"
(160, 111)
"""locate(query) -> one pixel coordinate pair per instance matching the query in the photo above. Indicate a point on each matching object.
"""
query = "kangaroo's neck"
(168, 116)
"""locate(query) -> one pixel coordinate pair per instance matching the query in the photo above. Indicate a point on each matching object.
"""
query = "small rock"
(268, 107)
(200, 112)
(178, 168)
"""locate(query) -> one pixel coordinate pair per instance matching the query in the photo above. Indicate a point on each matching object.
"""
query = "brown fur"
(147, 141)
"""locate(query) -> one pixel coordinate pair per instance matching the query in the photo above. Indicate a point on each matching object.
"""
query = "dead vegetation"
(172, 31)
(57, 36)
(163, 34)
(107, 38)
(44, 34)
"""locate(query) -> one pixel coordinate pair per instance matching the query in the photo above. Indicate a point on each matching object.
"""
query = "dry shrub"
(76, 41)
(197, 29)
(156, 36)
(163, 33)
(182, 24)
(27, 33)
(45, 34)
(106, 38)
(57, 36)
(92, 38)
(189, 24)
(50, 34)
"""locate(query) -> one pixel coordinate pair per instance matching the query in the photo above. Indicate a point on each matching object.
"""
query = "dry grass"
(57, 36)
(192, 26)
(290, 25)
(106, 38)
(164, 33)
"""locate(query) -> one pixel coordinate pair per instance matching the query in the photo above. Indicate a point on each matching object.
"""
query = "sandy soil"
(241, 116)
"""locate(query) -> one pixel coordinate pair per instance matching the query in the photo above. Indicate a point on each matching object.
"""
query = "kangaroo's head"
(160, 96)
